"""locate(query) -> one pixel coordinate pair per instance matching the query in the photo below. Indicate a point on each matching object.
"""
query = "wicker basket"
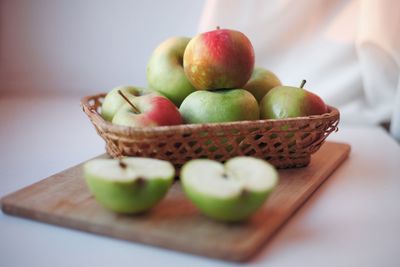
(284, 143)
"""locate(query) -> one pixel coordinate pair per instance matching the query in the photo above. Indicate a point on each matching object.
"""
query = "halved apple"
(228, 192)
(129, 185)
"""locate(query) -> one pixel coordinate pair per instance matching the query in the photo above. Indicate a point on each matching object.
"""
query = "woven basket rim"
(126, 130)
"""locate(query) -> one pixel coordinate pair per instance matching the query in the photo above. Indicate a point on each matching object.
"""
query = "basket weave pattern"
(284, 143)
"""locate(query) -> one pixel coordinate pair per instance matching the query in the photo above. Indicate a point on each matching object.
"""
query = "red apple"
(288, 102)
(219, 59)
(147, 111)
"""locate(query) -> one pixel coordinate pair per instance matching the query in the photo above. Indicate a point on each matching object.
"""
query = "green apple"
(129, 185)
(219, 59)
(228, 192)
(261, 81)
(113, 101)
(165, 72)
(147, 111)
(288, 102)
(219, 106)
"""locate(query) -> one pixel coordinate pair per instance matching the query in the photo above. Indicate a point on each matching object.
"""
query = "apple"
(219, 106)
(129, 185)
(147, 111)
(261, 81)
(228, 192)
(288, 102)
(219, 59)
(113, 101)
(165, 70)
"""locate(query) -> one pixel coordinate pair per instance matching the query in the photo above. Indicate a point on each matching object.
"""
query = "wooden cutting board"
(63, 199)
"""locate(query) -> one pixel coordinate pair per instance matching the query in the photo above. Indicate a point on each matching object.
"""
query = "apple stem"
(135, 109)
(122, 164)
(303, 82)
(140, 180)
(244, 193)
(218, 28)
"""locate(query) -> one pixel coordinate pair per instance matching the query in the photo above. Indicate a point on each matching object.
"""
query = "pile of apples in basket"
(209, 78)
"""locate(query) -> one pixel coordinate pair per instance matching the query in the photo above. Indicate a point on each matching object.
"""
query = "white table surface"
(352, 220)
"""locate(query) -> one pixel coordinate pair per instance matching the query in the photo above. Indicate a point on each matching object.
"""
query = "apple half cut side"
(228, 192)
(129, 185)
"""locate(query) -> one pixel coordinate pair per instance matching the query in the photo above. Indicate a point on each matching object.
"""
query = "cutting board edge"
(297, 208)
(243, 254)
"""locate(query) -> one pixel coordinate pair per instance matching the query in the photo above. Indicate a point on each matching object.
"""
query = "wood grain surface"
(63, 199)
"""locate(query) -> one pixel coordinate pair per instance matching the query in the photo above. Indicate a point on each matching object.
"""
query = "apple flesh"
(219, 59)
(165, 70)
(219, 106)
(228, 192)
(289, 102)
(132, 185)
(261, 82)
(150, 110)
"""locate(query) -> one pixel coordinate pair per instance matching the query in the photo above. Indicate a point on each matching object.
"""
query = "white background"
(81, 47)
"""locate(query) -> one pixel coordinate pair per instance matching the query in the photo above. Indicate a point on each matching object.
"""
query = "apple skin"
(219, 59)
(219, 106)
(130, 196)
(113, 101)
(155, 110)
(289, 102)
(165, 72)
(227, 210)
(261, 82)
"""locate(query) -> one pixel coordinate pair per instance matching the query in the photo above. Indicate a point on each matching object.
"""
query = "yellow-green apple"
(261, 81)
(228, 192)
(219, 59)
(219, 106)
(165, 70)
(147, 111)
(129, 185)
(288, 102)
(113, 101)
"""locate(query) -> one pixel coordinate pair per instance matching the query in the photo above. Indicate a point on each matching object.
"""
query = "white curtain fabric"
(347, 50)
